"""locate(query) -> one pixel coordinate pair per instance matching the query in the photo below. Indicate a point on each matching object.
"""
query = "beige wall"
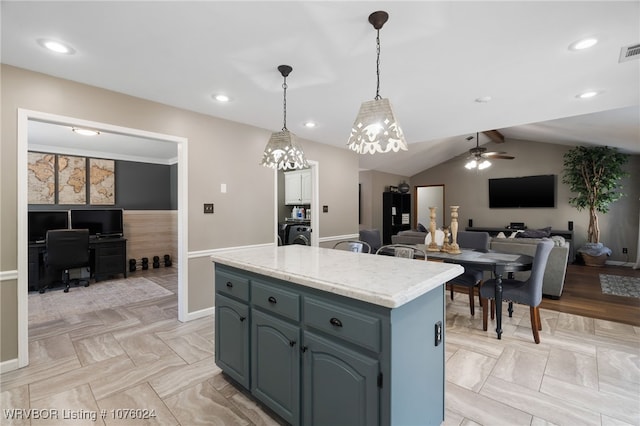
(374, 183)
(470, 190)
(219, 151)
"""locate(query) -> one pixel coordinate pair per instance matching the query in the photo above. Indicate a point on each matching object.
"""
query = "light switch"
(223, 188)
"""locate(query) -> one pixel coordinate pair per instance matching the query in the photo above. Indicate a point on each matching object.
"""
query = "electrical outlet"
(624, 250)
(208, 208)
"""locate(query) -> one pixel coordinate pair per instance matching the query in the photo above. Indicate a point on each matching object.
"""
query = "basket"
(594, 260)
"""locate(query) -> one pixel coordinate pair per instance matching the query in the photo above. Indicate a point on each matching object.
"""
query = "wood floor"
(582, 295)
(137, 359)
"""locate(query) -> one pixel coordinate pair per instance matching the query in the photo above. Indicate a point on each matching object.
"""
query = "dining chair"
(528, 292)
(355, 246)
(471, 278)
(372, 237)
(402, 250)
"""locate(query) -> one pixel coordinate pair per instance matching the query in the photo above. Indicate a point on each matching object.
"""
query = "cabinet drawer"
(276, 300)
(232, 284)
(114, 250)
(340, 321)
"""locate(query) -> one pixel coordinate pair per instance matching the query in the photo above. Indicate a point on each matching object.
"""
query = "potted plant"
(593, 173)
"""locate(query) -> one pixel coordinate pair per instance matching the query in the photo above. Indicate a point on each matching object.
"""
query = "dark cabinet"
(396, 214)
(275, 364)
(110, 258)
(334, 377)
(232, 338)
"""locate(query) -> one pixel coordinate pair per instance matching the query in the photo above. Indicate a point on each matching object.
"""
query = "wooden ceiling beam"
(495, 136)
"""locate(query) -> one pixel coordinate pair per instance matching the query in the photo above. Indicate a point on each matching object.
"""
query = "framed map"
(102, 182)
(72, 180)
(41, 178)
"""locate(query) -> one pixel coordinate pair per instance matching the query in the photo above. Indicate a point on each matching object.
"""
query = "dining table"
(487, 260)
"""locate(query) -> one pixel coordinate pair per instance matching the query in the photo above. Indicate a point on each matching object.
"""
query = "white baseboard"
(200, 314)
(9, 365)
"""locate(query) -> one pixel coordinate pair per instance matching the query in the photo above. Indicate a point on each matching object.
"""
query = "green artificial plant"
(593, 173)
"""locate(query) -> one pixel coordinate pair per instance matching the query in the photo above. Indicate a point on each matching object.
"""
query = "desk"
(108, 257)
(498, 263)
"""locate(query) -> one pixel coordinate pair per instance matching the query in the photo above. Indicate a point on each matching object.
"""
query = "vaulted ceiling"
(450, 68)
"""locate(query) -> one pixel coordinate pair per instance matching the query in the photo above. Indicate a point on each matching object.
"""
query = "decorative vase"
(433, 246)
(404, 187)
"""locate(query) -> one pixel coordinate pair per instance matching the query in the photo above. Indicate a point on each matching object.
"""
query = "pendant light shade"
(283, 152)
(376, 128)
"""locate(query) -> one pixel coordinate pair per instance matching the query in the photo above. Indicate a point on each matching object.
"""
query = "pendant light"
(283, 151)
(376, 128)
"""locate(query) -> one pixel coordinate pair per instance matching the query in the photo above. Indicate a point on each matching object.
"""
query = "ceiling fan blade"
(492, 153)
(500, 157)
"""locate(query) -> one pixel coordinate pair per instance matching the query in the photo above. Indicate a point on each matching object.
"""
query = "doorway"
(24, 116)
(429, 196)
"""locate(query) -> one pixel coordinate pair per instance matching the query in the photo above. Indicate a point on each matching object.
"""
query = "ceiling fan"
(479, 156)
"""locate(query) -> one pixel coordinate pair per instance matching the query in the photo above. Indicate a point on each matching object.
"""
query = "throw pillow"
(421, 228)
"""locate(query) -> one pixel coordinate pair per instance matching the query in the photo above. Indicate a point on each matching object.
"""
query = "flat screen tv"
(99, 222)
(39, 222)
(526, 191)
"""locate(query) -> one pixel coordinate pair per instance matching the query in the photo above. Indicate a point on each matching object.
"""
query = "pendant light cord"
(378, 65)
(284, 104)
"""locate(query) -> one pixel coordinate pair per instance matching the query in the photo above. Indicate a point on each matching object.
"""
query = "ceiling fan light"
(483, 165)
(376, 129)
(471, 164)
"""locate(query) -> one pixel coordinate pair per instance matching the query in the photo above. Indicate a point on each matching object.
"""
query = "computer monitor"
(99, 222)
(41, 221)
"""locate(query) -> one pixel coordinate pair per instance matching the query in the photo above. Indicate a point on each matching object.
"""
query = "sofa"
(555, 271)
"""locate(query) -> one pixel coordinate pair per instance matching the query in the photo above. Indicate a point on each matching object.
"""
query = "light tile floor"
(138, 356)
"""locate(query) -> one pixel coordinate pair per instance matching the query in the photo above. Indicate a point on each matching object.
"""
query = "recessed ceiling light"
(310, 124)
(56, 46)
(85, 132)
(584, 44)
(587, 95)
(221, 98)
(483, 99)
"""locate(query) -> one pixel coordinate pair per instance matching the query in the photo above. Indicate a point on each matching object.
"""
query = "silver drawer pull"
(336, 322)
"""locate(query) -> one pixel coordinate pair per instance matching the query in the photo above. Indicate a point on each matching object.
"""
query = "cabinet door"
(292, 188)
(232, 338)
(340, 385)
(305, 186)
(275, 364)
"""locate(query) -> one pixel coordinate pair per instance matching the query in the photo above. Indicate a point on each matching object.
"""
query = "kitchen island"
(330, 337)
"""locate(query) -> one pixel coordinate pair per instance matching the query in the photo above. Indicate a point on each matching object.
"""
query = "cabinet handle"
(292, 343)
(336, 322)
(229, 284)
(303, 349)
(272, 299)
(242, 318)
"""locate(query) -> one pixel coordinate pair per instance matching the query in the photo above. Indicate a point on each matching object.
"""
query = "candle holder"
(454, 248)
(433, 246)
(447, 234)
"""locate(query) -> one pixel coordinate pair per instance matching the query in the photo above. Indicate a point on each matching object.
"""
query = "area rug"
(620, 285)
(56, 304)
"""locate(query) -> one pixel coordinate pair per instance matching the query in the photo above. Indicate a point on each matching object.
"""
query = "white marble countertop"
(382, 280)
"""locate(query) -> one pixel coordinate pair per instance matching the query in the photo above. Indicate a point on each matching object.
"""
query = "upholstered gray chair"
(372, 237)
(471, 278)
(355, 246)
(527, 292)
(402, 250)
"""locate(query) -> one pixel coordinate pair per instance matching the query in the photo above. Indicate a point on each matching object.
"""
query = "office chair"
(471, 278)
(355, 246)
(66, 249)
(527, 292)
